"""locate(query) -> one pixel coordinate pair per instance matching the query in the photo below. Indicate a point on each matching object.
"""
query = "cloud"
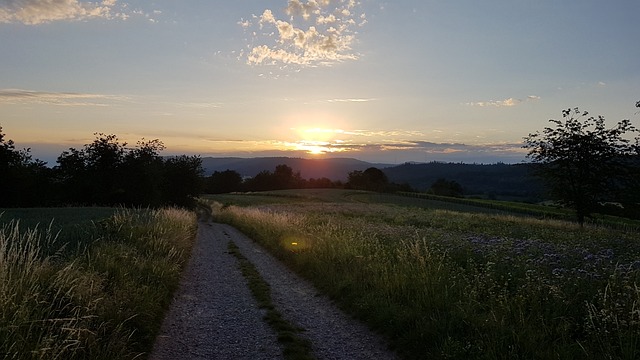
(18, 96)
(35, 12)
(307, 33)
(350, 100)
(510, 102)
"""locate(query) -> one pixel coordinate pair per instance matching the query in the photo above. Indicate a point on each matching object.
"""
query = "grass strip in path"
(295, 347)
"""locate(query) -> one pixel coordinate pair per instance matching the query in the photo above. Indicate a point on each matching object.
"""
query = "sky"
(380, 81)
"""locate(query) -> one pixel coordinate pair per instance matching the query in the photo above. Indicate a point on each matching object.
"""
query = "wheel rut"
(214, 316)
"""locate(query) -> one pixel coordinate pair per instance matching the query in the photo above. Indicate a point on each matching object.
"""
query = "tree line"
(584, 165)
(103, 173)
(284, 177)
(108, 172)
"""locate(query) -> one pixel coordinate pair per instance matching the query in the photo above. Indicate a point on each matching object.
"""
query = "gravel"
(214, 315)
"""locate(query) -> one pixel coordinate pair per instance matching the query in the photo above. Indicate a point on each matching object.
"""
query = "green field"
(88, 283)
(449, 280)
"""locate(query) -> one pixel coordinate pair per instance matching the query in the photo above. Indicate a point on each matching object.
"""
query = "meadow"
(447, 280)
(88, 283)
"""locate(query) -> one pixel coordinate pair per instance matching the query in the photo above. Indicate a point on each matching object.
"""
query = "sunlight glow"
(319, 141)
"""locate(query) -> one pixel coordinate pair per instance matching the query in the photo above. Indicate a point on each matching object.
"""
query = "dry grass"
(443, 284)
(103, 301)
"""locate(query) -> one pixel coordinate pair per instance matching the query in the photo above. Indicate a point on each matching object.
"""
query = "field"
(88, 283)
(445, 280)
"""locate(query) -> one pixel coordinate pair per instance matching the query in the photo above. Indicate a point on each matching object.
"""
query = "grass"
(449, 284)
(295, 347)
(104, 297)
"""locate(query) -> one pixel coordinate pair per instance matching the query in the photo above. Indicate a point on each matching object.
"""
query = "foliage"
(221, 182)
(23, 180)
(104, 172)
(103, 297)
(282, 178)
(444, 187)
(457, 285)
(583, 162)
(372, 179)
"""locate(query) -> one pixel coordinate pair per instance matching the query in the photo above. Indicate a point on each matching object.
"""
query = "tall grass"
(103, 300)
(450, 285)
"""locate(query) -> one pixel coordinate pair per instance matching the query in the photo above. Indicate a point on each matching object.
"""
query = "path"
(214, 316)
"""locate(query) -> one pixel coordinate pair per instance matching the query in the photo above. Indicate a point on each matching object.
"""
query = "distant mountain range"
(503, 181)
(333, 169)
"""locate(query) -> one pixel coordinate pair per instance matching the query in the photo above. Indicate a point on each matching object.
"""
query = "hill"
(505, 181)
(333, 168)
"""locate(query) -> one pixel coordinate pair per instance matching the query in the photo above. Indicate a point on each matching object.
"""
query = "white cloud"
(307, 33)
(18, 96)
(510, 102)
(34, 12)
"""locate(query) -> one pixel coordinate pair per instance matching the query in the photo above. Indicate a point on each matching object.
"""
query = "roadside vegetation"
(88, 283)
(456, 284)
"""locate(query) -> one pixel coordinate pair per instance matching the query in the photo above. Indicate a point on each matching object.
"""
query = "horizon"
(371, 80)
(49, 156)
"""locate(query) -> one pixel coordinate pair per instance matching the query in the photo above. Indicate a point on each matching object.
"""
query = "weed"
(101, 299)
(448, 284)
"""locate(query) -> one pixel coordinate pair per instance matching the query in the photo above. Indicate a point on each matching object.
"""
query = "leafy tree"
(582, 161)
(372, 179)
(285, 178)
(321, 183)
(282, 178)
(24, 181)
(223, 182)
(182, 180)
(93, 174)
(105, 172)
(444, 187)
(142, 168)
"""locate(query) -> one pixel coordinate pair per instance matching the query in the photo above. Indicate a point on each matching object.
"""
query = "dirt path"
(214, 316)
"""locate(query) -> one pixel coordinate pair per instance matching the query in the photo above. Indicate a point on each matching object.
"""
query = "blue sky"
(412, 80)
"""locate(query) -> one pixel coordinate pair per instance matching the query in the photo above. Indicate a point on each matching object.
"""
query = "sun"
(319, 141)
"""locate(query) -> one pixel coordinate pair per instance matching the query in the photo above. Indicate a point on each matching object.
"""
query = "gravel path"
(214, 315)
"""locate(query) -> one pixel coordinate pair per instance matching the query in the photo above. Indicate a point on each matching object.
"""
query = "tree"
(444, 187)
(372, 179)
(24, 181)
(93, 175)
(223, 182)
(182, 180)
(142, 168)
(582, 162)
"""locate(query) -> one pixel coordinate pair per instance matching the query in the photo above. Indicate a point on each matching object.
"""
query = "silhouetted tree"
(262, 181)
(94, 174)
(321, 183)
(372, 179)
(143, 168)
(223, 182)
(182, 180)
(105, 172)
(282, 178)
(444, 187)
(582, 162)
(24, 181)
(285, 178)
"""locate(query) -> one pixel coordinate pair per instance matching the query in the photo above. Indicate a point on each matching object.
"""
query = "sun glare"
(318, 141)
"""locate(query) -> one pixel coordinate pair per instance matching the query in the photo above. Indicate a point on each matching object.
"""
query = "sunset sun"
(318, 141)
